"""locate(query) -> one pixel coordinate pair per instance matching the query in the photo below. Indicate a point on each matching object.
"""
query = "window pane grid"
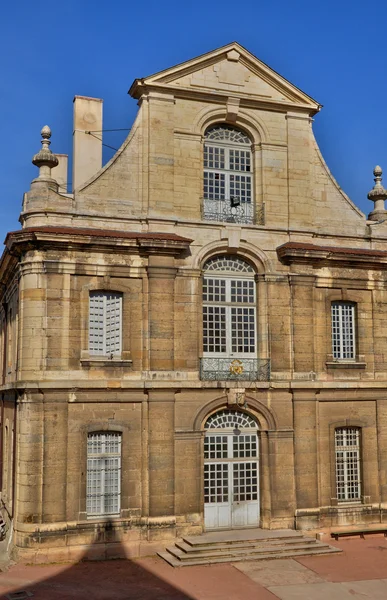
(347, 447)
(227, 327)
(239, 160)
(240, 187)
(243, 291)
(215, 446)
(214, 329)
(216, 482)
(223, 165)
(214, 290)
(244, 446)
(214, 157)
(245, 479)
(243, 330)
(214, 185)
(103, 474)
(343, 331)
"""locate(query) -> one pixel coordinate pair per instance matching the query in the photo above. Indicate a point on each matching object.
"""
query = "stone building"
(196, 337)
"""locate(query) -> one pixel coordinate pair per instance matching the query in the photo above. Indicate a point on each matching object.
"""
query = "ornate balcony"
(227, 211)
(234, 369)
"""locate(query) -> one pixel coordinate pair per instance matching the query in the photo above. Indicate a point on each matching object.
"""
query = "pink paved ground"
(145, 579)
(153, 579)
(360, 560)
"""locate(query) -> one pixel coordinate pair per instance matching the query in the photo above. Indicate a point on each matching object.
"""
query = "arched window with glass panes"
(229, 308)
(228, 175)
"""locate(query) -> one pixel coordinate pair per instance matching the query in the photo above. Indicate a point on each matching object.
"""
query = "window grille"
(230, 263)
(347, 448)
(227, 191)
(343, 330)
(229, 419)
(229, 311)
(105, 323)
(103, 474)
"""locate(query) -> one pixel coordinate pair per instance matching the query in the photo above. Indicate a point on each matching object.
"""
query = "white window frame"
(343, 326)
(103, 486)
(347, 464)
(225, 173)
(230, 311)
(105, 331)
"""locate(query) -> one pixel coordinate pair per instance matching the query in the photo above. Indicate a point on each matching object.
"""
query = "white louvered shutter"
(113, 323)
(105, 323)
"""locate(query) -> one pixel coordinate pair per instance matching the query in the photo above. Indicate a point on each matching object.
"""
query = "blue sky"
(333, 51)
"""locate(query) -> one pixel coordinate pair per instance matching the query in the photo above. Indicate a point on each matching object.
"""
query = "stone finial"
(45, 159)
(378, 195)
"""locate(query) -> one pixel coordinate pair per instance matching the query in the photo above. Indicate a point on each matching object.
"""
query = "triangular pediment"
(230, 70)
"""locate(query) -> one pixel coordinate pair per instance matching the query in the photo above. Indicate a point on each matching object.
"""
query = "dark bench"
(361, 532)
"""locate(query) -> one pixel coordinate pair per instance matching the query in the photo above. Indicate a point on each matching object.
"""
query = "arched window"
(229, 311)
(347, 451)
(228, 184)
(229, 320)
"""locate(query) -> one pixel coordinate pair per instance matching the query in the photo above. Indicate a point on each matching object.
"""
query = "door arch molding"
(263, 415)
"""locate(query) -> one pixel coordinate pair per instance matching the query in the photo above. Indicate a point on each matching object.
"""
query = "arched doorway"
(231, 471)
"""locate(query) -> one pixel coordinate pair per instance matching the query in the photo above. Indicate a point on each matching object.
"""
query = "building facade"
(196, 337)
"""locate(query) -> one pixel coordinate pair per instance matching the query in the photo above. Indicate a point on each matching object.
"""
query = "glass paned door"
(231, 480)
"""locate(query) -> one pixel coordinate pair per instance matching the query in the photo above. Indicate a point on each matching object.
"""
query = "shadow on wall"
(90, 577)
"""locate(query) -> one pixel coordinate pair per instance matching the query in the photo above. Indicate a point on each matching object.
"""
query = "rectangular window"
(214, 329)
(347, 449)
(223, 178)
(229, 317)
(343, 330)
(214, 186)
(105, 323)
(103, 474)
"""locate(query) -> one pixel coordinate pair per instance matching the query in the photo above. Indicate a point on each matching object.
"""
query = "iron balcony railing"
(234, 369)
(228, 211)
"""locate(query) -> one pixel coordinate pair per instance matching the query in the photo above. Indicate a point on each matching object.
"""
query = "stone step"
(231, 552)
(209, 539)
(244, 544)
(311, 551)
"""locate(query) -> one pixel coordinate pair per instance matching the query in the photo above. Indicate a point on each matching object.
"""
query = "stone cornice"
(300, 252)
(84, 239)
(142, 89)
(16, 241)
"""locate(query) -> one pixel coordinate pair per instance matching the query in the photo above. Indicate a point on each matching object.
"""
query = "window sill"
(105, 361)
(345, 364)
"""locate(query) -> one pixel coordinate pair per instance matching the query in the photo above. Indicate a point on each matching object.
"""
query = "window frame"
(231, 313)
(103, 457)
(106, 340)
(233, 197)
(343, 350)
(343, 493)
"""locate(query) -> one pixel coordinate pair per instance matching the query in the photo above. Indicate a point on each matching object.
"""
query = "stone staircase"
(243, 544)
